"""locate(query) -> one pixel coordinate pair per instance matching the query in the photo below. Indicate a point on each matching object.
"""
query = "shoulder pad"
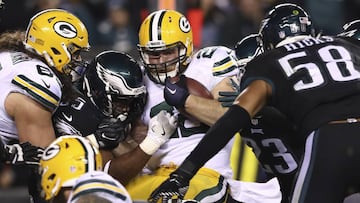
(223, 60)
(41, 83)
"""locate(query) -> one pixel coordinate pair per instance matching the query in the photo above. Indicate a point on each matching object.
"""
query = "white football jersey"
(209, 66)
(31, 77)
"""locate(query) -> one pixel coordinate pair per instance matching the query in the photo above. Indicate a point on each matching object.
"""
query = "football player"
(166, 49)
(314, 83)
(269, 134)
(108, 112)
(35, 76)
(63, 162)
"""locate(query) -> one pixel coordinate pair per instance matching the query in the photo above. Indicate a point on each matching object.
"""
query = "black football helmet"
(284, 20)
(351, 29)
(247, 48)
(114, 83)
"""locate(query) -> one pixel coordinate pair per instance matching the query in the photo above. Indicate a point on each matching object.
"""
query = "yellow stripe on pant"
(243, 161)
(206, 186)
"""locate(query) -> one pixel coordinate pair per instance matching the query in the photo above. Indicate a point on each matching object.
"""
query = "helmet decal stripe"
(155, 33)
(89, 154)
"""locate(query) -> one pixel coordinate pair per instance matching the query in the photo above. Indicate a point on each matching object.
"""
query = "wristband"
(149, 145)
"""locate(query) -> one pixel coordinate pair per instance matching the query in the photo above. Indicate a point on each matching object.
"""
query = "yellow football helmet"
(65, 160)
(165, 30)
(58, 36)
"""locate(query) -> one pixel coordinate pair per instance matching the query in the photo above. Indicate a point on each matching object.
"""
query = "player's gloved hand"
(175, 187)
(111, 132)
(161, 127)
(22, 154)
(227, 98)
(176, 93)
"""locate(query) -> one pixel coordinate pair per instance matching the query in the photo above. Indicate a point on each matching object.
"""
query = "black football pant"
(330, 168)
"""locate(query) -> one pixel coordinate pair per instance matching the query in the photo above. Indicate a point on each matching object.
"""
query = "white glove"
(161, 127)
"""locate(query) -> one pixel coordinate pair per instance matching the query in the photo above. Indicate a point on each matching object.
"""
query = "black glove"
(176, 93)
(22, 154)
(227, 98)
(111, 132)
(175, 186)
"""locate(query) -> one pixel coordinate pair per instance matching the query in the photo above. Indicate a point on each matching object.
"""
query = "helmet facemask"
(159, 71)
(77, 66)
(127, 109)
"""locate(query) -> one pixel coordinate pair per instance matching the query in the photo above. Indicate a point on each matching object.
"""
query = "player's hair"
(13, 41)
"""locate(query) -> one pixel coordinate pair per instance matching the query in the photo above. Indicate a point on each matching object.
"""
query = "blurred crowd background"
(113, 24)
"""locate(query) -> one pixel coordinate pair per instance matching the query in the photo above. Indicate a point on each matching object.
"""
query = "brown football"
(195, 88)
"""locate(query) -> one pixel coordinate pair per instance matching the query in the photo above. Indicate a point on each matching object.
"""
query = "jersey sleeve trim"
(38, 92)
(224, 66)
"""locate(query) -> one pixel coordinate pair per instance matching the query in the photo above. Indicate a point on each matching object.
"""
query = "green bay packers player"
(166, 49)
(34, 72)
(71, 167)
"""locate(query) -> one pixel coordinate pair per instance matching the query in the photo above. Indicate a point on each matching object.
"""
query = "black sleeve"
(235, 119)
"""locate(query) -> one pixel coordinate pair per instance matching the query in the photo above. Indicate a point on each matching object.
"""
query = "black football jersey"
(271, 138)
(308, 75)
(79, 116)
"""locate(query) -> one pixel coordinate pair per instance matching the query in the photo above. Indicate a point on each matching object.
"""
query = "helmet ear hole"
(52, 177)
(55, 51)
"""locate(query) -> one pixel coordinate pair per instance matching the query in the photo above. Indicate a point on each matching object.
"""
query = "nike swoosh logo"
(163, 130)
(46, 84)
(68, 118)
(171, 91)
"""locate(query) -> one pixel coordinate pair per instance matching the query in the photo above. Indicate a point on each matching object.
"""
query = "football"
(195, 88)
(198, 89)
